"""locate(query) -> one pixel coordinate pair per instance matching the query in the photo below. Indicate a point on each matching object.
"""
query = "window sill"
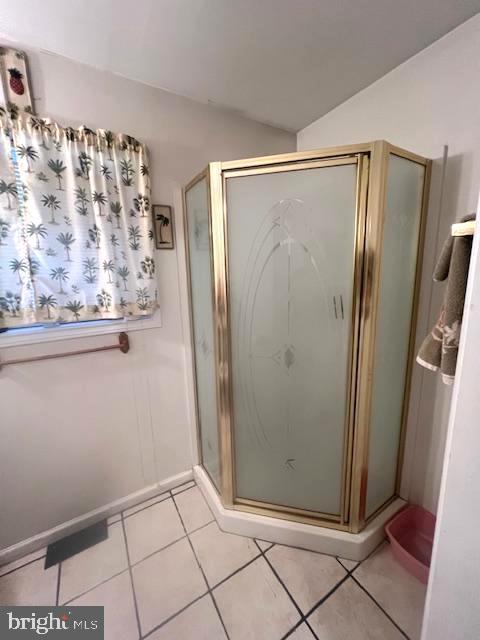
(39, 335)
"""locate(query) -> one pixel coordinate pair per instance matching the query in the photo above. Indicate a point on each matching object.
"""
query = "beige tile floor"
(167, 572)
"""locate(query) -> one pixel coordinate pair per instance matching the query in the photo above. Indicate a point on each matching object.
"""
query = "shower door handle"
(339, 312)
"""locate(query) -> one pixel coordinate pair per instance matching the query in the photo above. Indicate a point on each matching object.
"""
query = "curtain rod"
(123, 345)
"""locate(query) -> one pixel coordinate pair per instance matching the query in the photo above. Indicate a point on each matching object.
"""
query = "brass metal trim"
(282, 168)
(373, 238)
(298, 156)
(212, 203)
(222, 332)
(408, 155)
(193, 182)
(264, 504)
(353, 369)
(317, 521)
(381, 508)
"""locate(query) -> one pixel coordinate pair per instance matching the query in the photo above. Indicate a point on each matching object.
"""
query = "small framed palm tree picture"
(15, 82)
(163, 225)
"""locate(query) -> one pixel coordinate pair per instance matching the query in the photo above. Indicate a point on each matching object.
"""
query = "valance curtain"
(76, 238)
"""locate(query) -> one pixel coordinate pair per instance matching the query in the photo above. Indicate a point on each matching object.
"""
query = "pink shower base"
(411, 537)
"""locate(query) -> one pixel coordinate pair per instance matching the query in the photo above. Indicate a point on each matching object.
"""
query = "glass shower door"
(291, 253)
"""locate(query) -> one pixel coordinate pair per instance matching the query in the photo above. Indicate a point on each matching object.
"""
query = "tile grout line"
(7, 573)
(137, 615)
(376, 548)
(318, 604)
(174, 615)
(168, 495)
(219, 614)
(349, 574)
(115, 575)
(365, 590)
(113, 515)
(167, 546)
(119, 513)
(349, 571)
(204, 500)
(59, 577)
(275, 573)
(261, 553)
(80, 595)
(129, 515)
(177, 493)
(137, 562)
(165, 493)
(318, 553)
(202, 526)
(357, 581)
(327, 595)
(234, 573)
(83, 593)
(303, 617)
(201, 568)
(293, 629)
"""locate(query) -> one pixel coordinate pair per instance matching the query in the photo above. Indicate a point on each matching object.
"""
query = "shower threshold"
(354, 546)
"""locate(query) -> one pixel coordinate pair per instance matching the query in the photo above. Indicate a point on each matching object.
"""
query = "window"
(76, 239)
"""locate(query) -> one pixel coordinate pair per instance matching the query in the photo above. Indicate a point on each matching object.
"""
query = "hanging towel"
(439, 349)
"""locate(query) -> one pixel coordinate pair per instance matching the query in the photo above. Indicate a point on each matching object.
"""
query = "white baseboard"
(60, 531)
(354, 546)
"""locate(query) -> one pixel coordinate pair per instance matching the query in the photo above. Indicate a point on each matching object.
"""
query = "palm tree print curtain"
(76, 240)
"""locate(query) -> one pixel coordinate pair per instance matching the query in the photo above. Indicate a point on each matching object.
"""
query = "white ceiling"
(284, 62)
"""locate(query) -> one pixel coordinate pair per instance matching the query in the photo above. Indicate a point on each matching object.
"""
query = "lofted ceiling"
(283, 62)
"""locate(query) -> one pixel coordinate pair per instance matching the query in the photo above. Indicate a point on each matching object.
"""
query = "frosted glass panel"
(399, 258)
(202, 314)
(290, 244)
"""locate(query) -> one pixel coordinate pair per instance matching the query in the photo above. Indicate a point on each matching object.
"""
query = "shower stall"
(304, 272)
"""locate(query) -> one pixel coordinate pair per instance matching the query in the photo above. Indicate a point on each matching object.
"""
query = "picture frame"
(17, 95)
(163, 226)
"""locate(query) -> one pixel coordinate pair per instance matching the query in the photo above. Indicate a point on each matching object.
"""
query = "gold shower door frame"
(372, 165)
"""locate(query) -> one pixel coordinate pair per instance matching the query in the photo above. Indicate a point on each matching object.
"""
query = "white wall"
(452, 609)
(81, 432)
(426, 103)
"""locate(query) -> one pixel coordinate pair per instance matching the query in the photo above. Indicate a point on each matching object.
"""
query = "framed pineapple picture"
(16, 86)
(163, 225)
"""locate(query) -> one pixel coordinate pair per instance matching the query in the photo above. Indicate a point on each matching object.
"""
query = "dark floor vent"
(76, 542)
